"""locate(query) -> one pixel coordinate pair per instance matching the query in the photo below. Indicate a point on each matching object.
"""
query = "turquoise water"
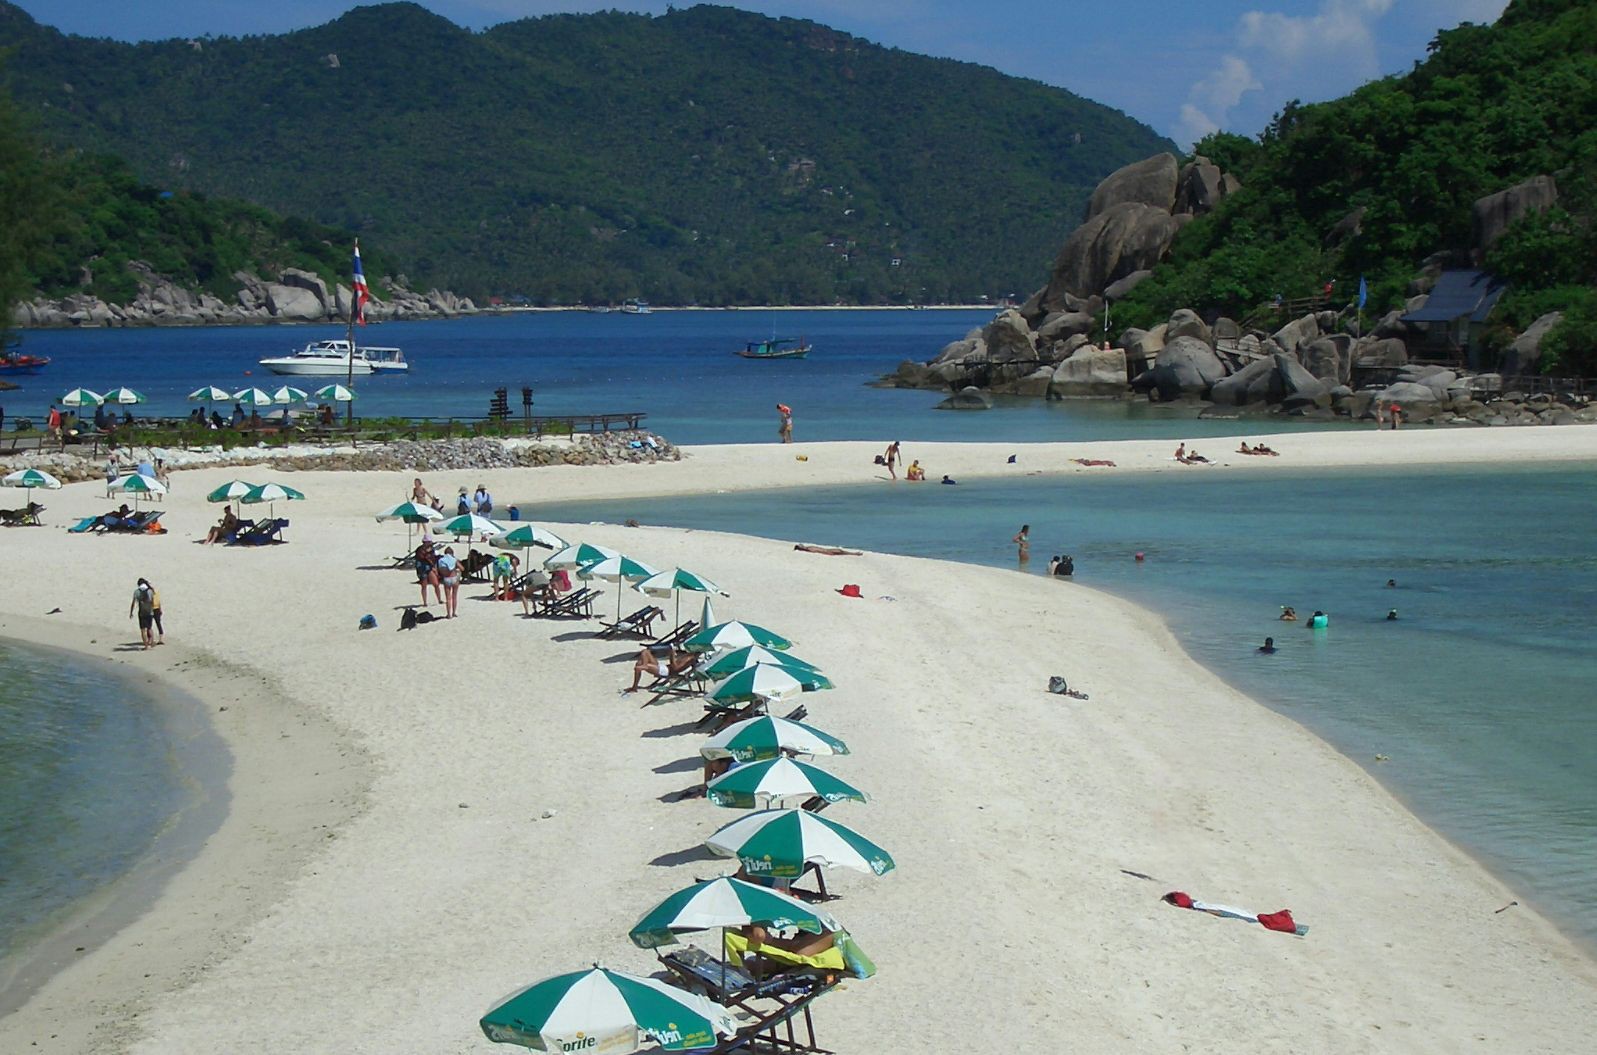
(87, 780)
(1479, 694)
(677, 367)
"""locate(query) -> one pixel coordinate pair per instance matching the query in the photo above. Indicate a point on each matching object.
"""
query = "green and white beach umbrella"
(138, 485)
(673, 582)
(707, 614)
(289, 394)
(601, 1011)
(82, 397)
(335, 393)
(766, 682)
(735, 635)
(31, 478)
(253, 397)
(763, 737)
(782, 843)
(272, 493)
(619, 568)
(524, 535)
(578, 554)
(728, 663)
(411, 513)
(760, 784)
(231, 491)
(210, 394)
(725, 902)
(123, 397)
(468, 524)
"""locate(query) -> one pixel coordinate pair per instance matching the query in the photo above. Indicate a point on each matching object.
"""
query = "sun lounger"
(682, 632)
(263, 533)
(27, 516)
(690, 682)
(139, 523)
(575, 605)
(776, 1008)
(718, 978)
(638, 624)
(475, 567)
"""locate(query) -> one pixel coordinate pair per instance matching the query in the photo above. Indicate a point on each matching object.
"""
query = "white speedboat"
(331, 358)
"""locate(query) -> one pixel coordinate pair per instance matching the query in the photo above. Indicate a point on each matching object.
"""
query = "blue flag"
(1364, 292)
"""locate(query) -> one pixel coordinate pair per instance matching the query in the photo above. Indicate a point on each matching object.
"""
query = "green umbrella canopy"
(578, 554)
(230, 491)
(600, 1010)
(767, 681)
(31, 478)
(82, 397)
(210, 394)
(336, 393)
(288, 394)
(729, 663)
(666, 583)
(123, 396)
(615, 569)
(525, 535)
(735, 635)
(411, 513)
(271, 493)
(758, 783)
(471, 524)
(766, 737)
(138, 484)
(782, 843)
(253, 397)
(725, 902)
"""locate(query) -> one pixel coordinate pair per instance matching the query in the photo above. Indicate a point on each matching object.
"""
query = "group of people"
(1257, 448)
(149, 465)
(442, 572)
(1192, 457)
(480, 502)
(1319, 620)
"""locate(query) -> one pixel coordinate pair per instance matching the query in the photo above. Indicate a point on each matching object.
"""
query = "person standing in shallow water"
(1022, 540)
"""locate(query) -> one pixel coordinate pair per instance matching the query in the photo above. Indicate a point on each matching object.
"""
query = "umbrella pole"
(723, 965)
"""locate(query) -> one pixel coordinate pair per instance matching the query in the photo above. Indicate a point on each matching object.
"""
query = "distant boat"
(636, 307)
(776, 348)
(331, 358)
(15, 362)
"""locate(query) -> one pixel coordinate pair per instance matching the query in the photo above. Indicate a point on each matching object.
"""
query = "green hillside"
(1490, 107)
(706, 155)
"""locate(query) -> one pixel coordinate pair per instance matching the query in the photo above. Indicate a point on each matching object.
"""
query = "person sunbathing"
(1243, 448)
(1262, 449)
(223, 529)
(804, 951)
(1194, 458)
(661, 665)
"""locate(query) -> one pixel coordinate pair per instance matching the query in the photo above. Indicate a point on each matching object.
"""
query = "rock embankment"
(608, 448)
(294, 296)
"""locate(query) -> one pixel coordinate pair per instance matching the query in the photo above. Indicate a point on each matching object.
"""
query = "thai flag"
(361, 293)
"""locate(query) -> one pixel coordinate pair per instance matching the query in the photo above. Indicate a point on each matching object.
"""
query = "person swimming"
(1391, 584)
(1288, 614)
(1268, 648)
(1391, 615)
(1319, 620)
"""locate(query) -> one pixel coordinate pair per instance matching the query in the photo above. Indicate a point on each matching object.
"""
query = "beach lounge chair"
(27, 516)
(638, 624)
(147, 523)
(689, 682)
(575, 605)
(676, 636)
(263, 533)
(475, 567)
(775, 1006)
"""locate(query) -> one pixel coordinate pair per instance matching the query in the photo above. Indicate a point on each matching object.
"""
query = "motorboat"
(776, 348)
(332, 358)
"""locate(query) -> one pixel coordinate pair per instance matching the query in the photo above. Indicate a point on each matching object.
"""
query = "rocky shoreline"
(480, 452)
(295, 296)
(1315, 363)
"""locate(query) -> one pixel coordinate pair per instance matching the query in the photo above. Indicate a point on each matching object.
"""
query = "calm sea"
(677, 367)
(88, 778)
(1479, 694)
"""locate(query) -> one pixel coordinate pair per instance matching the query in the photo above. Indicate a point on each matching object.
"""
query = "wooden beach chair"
(575, 605)
(680, 634)
(475, 567)
(776, 1007)
(689, 682)
(264, 533)
(638, 624)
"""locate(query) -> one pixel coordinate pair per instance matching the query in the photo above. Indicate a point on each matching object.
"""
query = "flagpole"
(349, 380)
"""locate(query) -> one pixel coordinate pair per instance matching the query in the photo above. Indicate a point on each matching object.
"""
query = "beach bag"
(368, 622)
(408, 620)
(859, 965)
(1056, 684)
(880, 460)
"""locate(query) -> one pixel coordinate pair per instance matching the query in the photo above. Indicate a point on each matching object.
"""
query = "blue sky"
(1185, 68)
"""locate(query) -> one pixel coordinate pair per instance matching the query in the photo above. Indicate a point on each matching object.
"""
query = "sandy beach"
(421, 822)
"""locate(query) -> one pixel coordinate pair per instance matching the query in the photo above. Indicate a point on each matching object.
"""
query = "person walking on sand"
(144, 605)
(891, 458)
(155, 614)
(54, 423)
(784, 428)
(1022, 539)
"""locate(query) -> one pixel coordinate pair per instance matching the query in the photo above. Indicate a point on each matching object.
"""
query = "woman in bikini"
(449, 576)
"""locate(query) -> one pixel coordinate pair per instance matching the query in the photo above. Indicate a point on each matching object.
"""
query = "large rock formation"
(1496, 213)
(1090, 372)
(1151, 181)
(1186, 367)
(1524, 356)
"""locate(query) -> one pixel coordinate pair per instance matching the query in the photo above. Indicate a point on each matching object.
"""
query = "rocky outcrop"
(1496, 213)
(296, 296)
(1090, 372)
(1186, 367)
(1009, 339)
(969, 398)
(1524, 355)
(1150, 182)
(1113, 244)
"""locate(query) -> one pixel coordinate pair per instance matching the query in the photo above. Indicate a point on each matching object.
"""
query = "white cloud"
(1216, 95)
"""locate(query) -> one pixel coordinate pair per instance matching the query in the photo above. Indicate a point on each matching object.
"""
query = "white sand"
(1008, 925)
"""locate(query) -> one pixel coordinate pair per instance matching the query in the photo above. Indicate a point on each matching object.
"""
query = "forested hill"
(707, 155)
(1386, 178)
